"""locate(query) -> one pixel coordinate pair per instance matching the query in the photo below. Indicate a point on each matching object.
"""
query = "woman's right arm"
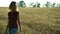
(7, 26)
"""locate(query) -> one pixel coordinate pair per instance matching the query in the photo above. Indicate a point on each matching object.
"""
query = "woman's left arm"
(19, 22)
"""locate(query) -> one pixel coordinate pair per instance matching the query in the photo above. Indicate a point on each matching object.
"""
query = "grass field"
(34, 20)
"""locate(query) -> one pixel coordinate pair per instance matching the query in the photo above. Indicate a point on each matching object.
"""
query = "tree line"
(38, 5)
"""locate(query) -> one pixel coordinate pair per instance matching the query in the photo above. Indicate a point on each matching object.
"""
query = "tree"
(34, 5)
(22, 4)
(38, 4)
(31, 4)
(53, 5)
(47, 4)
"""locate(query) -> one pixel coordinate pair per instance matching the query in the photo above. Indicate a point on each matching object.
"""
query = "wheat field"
(34, 20)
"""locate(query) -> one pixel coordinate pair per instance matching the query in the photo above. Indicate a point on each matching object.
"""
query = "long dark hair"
(12, 5)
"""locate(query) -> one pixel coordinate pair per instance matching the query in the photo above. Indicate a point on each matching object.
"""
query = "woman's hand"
(20, 29)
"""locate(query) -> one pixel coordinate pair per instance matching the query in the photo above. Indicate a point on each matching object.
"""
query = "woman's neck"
(13, 10)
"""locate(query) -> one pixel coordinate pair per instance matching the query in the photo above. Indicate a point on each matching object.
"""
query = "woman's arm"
(7, 26)
(19, 22)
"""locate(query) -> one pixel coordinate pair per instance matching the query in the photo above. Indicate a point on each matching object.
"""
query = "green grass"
(34, 20)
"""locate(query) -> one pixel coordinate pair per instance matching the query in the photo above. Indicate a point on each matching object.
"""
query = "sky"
(5, 3)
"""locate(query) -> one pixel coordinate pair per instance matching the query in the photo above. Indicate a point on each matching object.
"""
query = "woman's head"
(12, 6)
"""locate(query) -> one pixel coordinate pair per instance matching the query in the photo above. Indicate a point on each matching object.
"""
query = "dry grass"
(34, 20)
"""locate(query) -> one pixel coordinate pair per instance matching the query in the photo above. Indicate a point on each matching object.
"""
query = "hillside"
(34, 20)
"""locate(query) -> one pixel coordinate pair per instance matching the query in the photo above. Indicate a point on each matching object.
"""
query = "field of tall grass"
(34, 20)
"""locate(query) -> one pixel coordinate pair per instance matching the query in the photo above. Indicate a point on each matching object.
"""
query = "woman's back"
(12, 17)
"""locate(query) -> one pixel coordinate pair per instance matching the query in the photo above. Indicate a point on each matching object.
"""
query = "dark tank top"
(12, 18)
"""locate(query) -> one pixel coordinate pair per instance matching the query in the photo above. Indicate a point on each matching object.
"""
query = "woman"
(13, 19)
